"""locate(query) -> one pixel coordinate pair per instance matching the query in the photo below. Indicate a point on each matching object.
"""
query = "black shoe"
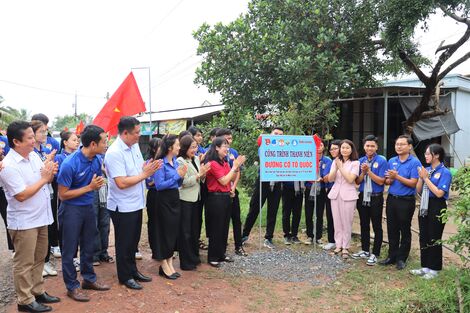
(162, 273)
(142, 278)
(46, 298)
(401, 265)
(178, 275)
(34, 307)
(387, 261)
(132, 284)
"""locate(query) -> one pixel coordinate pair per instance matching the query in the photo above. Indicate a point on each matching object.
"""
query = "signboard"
(171, 127)
(287, 158)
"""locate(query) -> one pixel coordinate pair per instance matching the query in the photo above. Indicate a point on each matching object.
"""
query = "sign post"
(286, 158)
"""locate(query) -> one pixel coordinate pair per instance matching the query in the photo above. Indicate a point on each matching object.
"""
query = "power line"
(48, 90)
(189, 67)
(165, 17)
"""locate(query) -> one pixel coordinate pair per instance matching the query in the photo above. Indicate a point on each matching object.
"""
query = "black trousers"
(127, 229)
(168, 223)
(368, 214)
(236, 221)
(273, 197)
(3, 212)
(151, 205)
(430, 230)
(201, 210)
(322, 202)
(399, 215)
(291, 205)
(219, 209)
(53, 229)
(188, 240)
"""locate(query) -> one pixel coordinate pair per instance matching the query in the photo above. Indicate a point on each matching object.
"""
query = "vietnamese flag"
(126, 101)
(79, 128)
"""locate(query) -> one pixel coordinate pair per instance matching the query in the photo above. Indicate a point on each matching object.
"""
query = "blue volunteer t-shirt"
(378, 167)
(167, 177)
(324, 169)
(52, 144)
(4, 145)
(200, 150)
(42, 152)
(407, 169)
(76, 172)
(231, 156)
(442, 179)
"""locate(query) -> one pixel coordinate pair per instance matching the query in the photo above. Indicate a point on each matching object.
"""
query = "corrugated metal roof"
(180, 114)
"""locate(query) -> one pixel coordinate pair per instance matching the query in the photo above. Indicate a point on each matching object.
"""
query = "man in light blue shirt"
(126, 181)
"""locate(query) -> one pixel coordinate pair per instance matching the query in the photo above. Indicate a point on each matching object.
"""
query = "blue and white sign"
(287, 158)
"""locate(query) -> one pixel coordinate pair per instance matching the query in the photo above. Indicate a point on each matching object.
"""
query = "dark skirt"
(188, 243)
(219, 208)
(152, 218)
(168, 217)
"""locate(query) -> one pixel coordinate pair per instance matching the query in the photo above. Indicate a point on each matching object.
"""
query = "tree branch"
(459, 19)
(433, 113)
(453, 65)
(409, 63)
(448, 53)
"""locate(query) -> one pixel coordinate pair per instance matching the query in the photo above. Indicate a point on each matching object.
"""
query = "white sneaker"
(268, 243)
(419, 272)
(361, 255)
(430, 275)
(138, 255)
(372, 260)
(329, 246)
(309, 241)
(49, 269)
(76, 263)
(44, 273)
(55, 251)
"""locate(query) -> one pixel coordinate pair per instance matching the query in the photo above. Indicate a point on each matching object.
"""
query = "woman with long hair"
(434, 183)
(190, 197)
(167, 180)
(151, 204)
(218, 202)
(343, 194)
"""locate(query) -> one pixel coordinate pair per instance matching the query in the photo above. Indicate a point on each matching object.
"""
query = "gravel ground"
(7, 292)
(287, 265)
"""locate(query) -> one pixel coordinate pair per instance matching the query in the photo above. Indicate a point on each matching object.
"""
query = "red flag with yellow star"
(79, 128)
(126, 101)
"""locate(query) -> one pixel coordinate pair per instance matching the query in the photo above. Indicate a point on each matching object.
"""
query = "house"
(176, 120)
(383, 110)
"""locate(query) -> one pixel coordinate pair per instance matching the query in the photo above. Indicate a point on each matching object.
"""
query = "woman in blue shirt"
(167, 180)
(434, 183)
(154, 145)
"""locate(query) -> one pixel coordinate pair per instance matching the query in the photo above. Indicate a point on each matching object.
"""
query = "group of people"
(61, 202)
(336, 191)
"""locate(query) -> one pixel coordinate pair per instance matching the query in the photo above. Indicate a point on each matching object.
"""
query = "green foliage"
(292, 56)
(460, 213)
(70, 121)
(9, 114)
(246, 130)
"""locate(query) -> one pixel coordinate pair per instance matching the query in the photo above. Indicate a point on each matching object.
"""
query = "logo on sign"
(267, 142)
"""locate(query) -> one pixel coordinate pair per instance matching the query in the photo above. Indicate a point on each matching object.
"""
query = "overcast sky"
(51, 49)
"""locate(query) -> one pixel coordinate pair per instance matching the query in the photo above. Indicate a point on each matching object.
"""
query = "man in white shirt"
(126, 181)
(24, 179)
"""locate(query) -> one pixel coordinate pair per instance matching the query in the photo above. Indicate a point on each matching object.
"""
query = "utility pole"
(75, 105)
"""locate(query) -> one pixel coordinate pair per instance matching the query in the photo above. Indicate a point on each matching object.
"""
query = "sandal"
(345, 254)
(202, 245)
(337, 251)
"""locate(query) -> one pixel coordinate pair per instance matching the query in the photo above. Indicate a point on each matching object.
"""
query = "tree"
(293, 56)
(399, 26)
(70, 121)
(9, 114)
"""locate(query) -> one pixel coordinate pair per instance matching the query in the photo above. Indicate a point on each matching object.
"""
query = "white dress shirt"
(121, 161)
(19, 173)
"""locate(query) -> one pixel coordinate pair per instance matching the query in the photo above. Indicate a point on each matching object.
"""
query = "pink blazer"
(341, 187)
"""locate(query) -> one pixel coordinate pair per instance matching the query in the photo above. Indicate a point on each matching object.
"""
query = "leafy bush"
(460, 214)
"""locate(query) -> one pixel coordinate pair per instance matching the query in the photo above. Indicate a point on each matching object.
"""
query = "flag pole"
(150, 96)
